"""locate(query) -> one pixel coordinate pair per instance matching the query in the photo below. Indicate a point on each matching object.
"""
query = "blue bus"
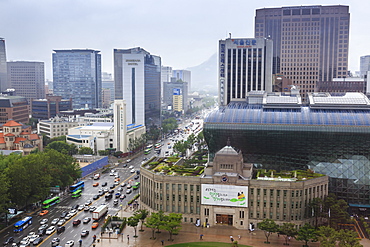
(77, 186)
(22, 224)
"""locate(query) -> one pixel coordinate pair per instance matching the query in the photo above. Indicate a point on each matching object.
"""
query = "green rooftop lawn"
(205, 244)
(299, 174)
(168, 166)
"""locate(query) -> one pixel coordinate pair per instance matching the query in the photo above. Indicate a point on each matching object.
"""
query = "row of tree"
(156, 221)
(183, 145)
(328, 237)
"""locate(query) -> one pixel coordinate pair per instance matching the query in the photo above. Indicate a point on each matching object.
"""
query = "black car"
(104, 184)
(136, 177)
(111, 191)
(61, 229)
(125, 165)
(76, 222)
(75, 207)
(63, 214)
(96, 197)
(38, 240)
(112, 186)
(108, 197)
(41, 232)
(9, 241)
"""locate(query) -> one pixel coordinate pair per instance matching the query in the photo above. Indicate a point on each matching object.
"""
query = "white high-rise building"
(184, 75)
(364, 65)
(119, 119)
(3, 67)
(245, 64)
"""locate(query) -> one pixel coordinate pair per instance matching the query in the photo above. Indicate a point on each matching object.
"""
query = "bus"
(77, 193)
(147, 151)
(50, 202)
(22, 224)
(157, 146)
(136, 186)
(77, 186)
(149, 147)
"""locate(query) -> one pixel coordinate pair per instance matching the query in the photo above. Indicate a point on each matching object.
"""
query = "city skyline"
(182, 40)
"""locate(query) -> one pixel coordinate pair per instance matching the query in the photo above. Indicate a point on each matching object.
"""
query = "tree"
(327, 236)
(268, 226)
(133, 222)
(85, 150)
(348, 238)
(172, 224)
(287, 230)
(335, 210)
(153, 221)
(316, 206)
(62, 147)
(307, 233)
(103, 152)
(141, 215)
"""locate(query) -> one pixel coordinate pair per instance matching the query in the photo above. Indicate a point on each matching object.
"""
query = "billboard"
(225, 195)
(177, 91)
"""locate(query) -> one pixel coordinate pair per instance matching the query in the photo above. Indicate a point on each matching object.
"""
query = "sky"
(184, 33)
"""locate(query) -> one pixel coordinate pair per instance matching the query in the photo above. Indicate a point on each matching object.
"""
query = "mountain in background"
(204, 76)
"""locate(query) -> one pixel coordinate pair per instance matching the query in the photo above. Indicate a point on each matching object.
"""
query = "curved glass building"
(330, 135)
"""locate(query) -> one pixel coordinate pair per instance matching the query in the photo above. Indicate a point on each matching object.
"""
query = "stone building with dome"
(229, 191)
(17, 136)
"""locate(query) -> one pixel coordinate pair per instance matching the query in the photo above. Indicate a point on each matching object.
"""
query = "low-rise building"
(17, 136)
(230, 192)
(55, 127)
(49, 107)
(14, 107)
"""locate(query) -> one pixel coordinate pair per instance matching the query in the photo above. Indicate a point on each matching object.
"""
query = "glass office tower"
(77, 76)
(3, 67)
(331, 135)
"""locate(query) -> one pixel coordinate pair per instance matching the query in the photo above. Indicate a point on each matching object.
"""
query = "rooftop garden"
(298, 175)
(174, 166)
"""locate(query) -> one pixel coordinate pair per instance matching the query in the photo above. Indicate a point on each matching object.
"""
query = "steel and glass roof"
(243, 113)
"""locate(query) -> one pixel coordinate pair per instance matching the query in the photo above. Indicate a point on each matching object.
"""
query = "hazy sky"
(183, 33)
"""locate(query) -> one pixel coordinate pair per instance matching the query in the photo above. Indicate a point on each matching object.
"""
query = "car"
(136, 177)
(112, 186)
(41, 232)
(120, 189)
(30, 234)
(128, 191)
(74, 207)
(96, 197)
(61, 229)
(95, 184)
(118, 194)
(86, 208)
(33, 237)
(73, 211)
(54, 221)
(92, 209)
(63, 214)
(125, 165)
(86, 220)
(108, 197)
(122, 197)
(61, 222)
(132, 171)
(44, 221)
(55, 242)
(117, 179)
(50, 230)
(111, 174)
(111, 191)
(25, 241)
(88, 202)
(38, 241)
(76, 222)
(69, 243)
(95, 225)
(115, 202)
(100, 193)
(129, 186)
(106, 190)
(131, 167)
(116, 175)
(104, 184)
(9, 240)
(128, 161)
(44, 212)
(145, 159)
(81, 207)
(84, 233)
(68, 216)
(116, 183)
(123, 184)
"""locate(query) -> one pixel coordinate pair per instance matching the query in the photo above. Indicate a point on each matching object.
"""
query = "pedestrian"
(80, 241)
(162, 241)
(232, 239)
(94, 238)
(239, 237)
(128, 237)
(201, 237)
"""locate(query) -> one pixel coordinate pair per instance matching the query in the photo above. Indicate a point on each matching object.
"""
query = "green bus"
(77, 193)
(50, 202)
(147, 151)
(136, 186)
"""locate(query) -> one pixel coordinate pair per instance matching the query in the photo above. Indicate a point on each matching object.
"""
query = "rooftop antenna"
(230, 35)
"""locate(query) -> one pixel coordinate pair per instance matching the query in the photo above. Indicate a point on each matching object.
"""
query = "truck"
(96, 176)
(99, 212)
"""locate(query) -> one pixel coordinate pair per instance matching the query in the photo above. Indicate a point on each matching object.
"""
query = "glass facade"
(77, 76)
(287, 139)
(3, 67)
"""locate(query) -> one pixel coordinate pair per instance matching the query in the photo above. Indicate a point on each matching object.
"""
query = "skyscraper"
(184, 75)
(137, 78)
(77, 75)
(244, 65)
(3, 70)
(310, 42)
(27, 78)
(364, 65)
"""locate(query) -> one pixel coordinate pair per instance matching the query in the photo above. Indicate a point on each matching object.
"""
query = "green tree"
(335, 210)
(287, 230)
(141, 215)
(307, 233)
(316, 206)
(85, 150)
(103, 152)
(153, 221)
(348, 238)
(4, 193)
(269, 227)
(133, 222)
(327, 236)
(172, 224)
(169, 124)
(62, 147)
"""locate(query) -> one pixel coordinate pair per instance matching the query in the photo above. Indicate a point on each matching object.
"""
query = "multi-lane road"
(74, 232)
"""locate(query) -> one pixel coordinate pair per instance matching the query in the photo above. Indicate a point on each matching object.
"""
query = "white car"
(30, 234)
(128, 160)
(25, 241)
(132, 171)
(61, 222)
(68, 216)
(44, 221)
(50, 230)
(69, 243)
(81, 207)
(54, 221)
(130, 167)
(33, 238)
(73, 212)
